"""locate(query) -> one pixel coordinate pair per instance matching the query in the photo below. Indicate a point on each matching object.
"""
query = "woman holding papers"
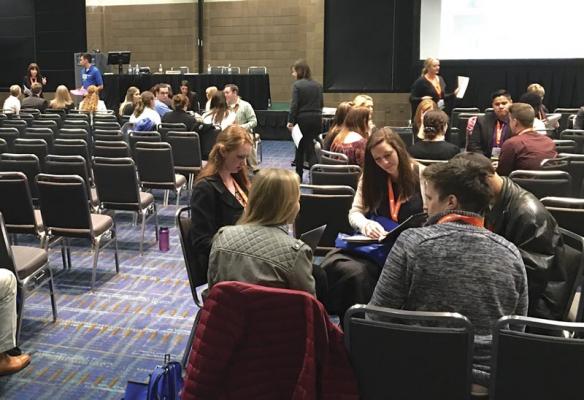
(389, 187)
(306, 111)
(430, 85)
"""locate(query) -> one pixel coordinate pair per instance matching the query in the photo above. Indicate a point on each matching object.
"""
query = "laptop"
(312, 237)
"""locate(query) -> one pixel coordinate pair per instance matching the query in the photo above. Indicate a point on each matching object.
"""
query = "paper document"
(462, 85)
(296, 135)
(78, 92)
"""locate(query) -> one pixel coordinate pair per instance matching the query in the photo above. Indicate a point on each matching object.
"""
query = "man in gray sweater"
(453, 263)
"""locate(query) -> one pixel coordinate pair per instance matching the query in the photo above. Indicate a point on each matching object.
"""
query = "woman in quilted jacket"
(259, 249)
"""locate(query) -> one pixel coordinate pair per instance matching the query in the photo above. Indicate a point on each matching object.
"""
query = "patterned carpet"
(121, 330)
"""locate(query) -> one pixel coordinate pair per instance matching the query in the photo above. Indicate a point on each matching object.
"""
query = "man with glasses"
(161, 92)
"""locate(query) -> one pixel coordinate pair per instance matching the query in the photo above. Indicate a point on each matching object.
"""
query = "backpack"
(165, 383)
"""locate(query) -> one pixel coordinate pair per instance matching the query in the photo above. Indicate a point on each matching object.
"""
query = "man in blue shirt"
(90, 75)
(161, 92)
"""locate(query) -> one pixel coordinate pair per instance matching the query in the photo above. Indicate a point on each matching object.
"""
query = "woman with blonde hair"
(430, 85)
(352, 138)
(12, 103)
(130, 102)
(239, 252)
(209, 92)
(220, 193)
(62, 100)
(91, 102)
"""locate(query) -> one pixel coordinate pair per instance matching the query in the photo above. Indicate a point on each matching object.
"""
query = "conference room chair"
(166, 127)
(111, 125)
(73, 147)
(124, 119)
(543, 183)
(100, 117)
(207, 136)
(197, 278)
(333, 158)
(576, 170)
(20, 216)
(111, 149)
(75, 133)
(567, 211)
(50, 117)
(344, 175)
(3, 146)
(429, 162)
(156, 169)
(28, 118)
(186, 154)
(77, 124)
(40, 133)
(118, 189)
(324, 205)
(73, 165)
(32, 111)
(577, 136)
(409, 355)
(255, 70)
(30, 266)
(555, 164)
(536, 367)
(65, 210)
(28, 164)
(60, 112)
(566, 113)
(107, 135)
(19, 124)
(460, 110)
(2, 118)
(405, 133)
(46, 123)
(76, 116)
(462, 128)
(37, 147)
(143, 136)
(571, 121)
(566, 146)
(9, 135)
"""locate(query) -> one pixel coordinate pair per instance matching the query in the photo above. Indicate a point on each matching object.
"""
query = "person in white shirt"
(219, 114)
(145, 109)
(12, 103)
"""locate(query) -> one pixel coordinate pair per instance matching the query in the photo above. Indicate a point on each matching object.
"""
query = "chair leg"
(165, 203)
(67, 246)
(155, 220)
(191, 180)
(187, 352)
(143, 213)
(114, 232)
(21, 295)
(63, 252)
(52, 294)
(178, 195)
(96, 246)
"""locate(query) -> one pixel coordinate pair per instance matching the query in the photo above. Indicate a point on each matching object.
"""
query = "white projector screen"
(501, 29)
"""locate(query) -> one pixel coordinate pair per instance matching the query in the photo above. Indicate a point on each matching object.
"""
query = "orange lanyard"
(475, 221)
(394, 205)
(498, 133)
(240, 194)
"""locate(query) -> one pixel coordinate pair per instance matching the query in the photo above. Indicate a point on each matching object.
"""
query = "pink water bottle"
(163, 239)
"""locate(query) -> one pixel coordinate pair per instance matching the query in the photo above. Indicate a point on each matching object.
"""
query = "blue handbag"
(165, 383)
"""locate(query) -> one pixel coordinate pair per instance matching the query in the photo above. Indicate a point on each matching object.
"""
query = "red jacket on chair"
(257, 342)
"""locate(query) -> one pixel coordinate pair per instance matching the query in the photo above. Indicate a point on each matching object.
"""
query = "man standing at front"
(245, 117)
(90, 75)
(527, 148)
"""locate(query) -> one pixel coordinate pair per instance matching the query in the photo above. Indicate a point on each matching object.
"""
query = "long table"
(252, 88)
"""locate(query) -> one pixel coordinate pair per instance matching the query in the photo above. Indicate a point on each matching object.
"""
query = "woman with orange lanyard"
(389, 187)
(219, 195)
(430, 85)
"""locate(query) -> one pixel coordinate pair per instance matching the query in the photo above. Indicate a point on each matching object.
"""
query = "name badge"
(84, 76)
(495, 153)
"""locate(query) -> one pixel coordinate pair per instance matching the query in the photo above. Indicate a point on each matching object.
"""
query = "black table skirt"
(272, 125)
(252, 88)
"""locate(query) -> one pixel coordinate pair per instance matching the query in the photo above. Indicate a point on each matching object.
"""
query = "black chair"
(61, 112)
(41, 133)
(461, 110)
(345, 175)
(543, 183)
(76, 117)
(405, 133)
(65, 211)
(197, 284)
(332, 158)
(100, 117)
(409, 355)
(28, 164)
(324, 205)
(567, 211)
(32, 111)
(9, 135)
(156, 168)
(70, 133)
(521, 361)
(19, 124)
(107, 136)
(111, 125)
(577, 136)
(77, 124)
(166, 127)
(26, 117)
(576, 169)
(37, 147)
(111, 149)
(51, 117)
(566, 113)
(30, 266)
(73, 165)
(145, 136)
(20, 217)
(118, 189)
(208, 136)
(555, 164)
(566, 146)
(186, 153)
(45, 123)
(3, 146)
(73, 147)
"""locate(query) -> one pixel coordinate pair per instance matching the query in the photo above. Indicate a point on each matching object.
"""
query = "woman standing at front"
(430, 85)
(306, 111)
(220, 193)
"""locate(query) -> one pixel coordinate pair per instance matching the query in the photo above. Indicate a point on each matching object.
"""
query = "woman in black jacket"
(220, 194)
(430, 85)
(306, 111)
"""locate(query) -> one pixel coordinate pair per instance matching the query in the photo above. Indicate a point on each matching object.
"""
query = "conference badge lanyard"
(394, 204)
(466, 219)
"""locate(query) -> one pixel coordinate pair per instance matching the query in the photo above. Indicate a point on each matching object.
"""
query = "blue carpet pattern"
(123, 328)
